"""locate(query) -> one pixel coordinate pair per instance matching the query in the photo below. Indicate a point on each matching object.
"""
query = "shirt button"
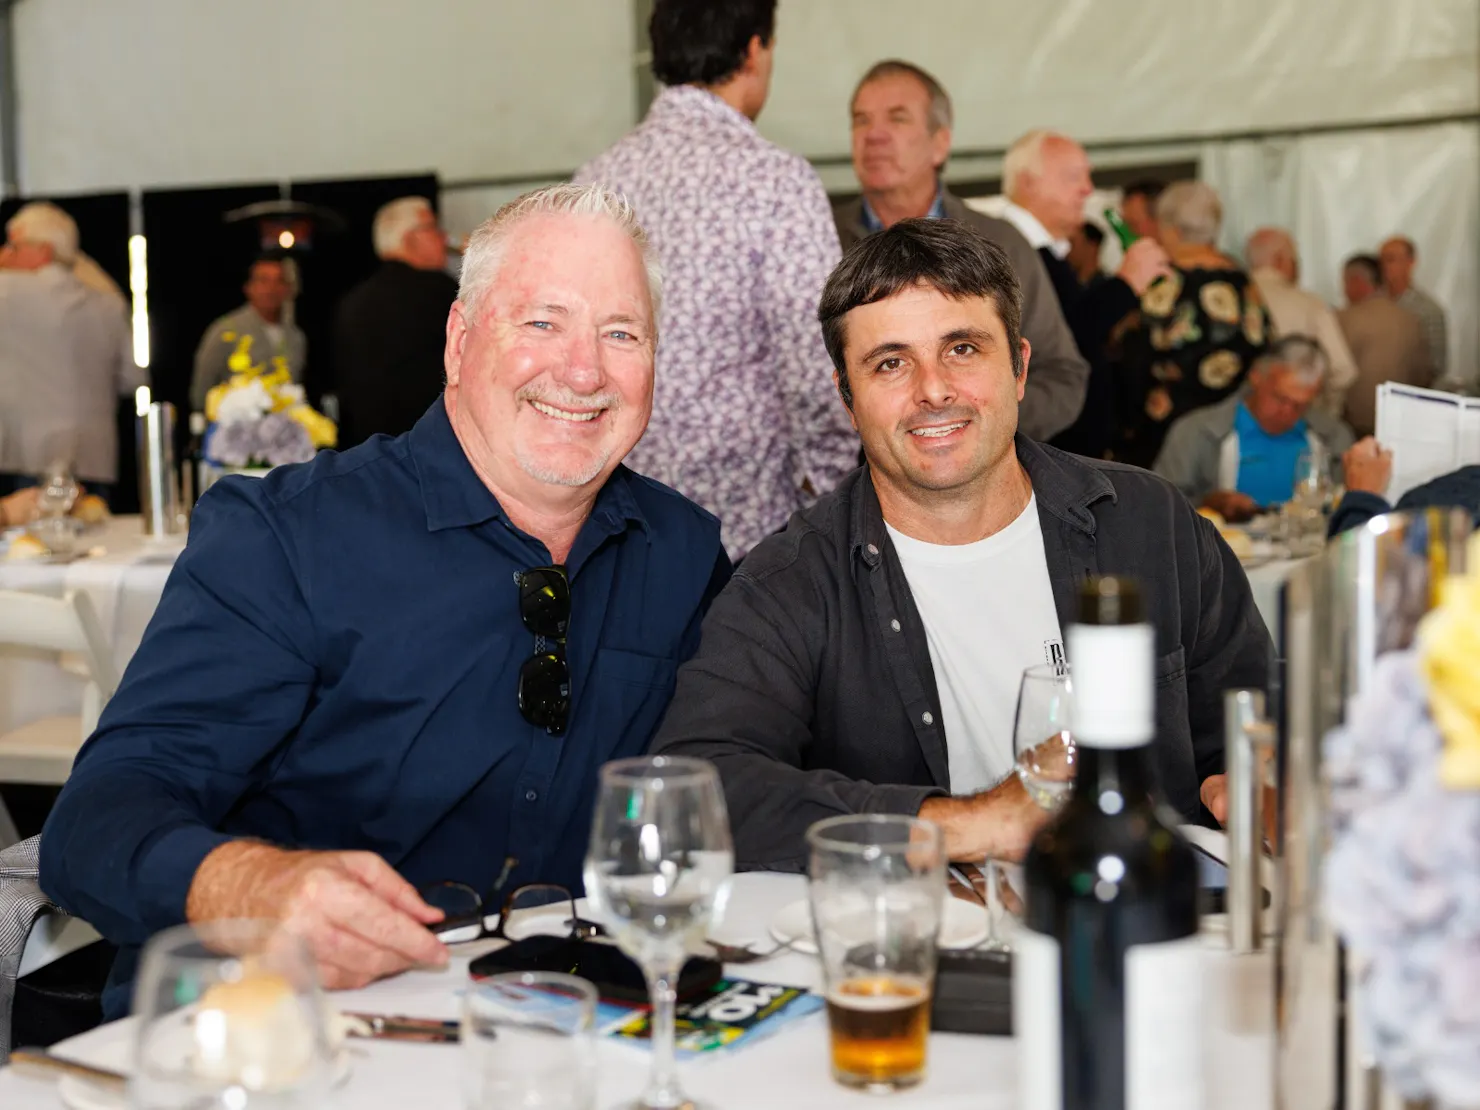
(927, 717)
(872, 549)
(533, 796)
(894, 625)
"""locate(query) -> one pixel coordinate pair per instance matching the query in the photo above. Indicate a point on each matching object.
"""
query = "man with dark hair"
(901, 139)
(868, 658)
(256, 334)
(1138, 207)
(1084, 255)
(744, 420)
(1387, 342)
(1398, 257)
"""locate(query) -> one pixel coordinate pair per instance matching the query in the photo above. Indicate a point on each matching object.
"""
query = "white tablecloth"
(124, 581)
(1265, 581)
(787, 1072)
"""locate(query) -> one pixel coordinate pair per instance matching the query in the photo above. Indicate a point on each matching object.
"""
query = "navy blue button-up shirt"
(334, 665)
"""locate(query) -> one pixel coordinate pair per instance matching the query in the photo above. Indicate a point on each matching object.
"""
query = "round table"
(123, 573)
(788, 1071)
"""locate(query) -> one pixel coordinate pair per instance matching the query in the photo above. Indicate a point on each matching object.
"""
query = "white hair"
(1300, 356)
(1193, 209)
(485, 250)
(1024, 158)
(394, 220)
(43, 222)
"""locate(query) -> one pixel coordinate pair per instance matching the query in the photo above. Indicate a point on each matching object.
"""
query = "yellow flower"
(240, 360)
(1449, 659)
(213, 399)
(321, 430)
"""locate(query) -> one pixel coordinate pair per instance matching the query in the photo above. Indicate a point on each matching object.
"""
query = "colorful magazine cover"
(731, 1013)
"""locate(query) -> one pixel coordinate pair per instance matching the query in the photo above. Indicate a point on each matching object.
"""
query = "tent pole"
(9, 144)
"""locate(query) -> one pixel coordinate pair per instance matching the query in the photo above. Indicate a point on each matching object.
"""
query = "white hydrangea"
(244, 404)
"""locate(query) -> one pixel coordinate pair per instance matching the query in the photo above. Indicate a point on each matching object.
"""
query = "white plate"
(964, 925)
(117, 1055)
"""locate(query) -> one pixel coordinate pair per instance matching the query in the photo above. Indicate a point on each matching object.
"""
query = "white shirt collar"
(1033, 230)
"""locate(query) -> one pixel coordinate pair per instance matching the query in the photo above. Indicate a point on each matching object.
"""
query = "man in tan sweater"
(1387, 342)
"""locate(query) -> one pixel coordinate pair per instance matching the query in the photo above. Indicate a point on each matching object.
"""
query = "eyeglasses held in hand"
(544, 680)
(468, 917)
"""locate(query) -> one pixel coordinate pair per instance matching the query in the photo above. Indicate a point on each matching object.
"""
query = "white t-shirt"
(989, 613)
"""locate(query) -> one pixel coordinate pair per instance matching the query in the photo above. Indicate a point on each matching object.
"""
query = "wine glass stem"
(663, 1092)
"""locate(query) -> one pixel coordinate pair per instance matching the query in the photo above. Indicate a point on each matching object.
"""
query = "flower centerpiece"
(1403, 877)
(259, 418)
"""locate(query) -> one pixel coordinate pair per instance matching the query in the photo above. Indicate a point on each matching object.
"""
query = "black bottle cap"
(1110, 599)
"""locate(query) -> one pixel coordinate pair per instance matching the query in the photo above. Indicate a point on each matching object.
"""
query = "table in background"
(124, 583)
(789, 1071)
(1265, 580)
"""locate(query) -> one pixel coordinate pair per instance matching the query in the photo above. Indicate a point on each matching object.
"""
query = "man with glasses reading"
(398, 668)
(1240, 454)
(867, 659)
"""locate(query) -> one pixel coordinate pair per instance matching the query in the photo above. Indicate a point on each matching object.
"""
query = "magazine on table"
(732, 1013)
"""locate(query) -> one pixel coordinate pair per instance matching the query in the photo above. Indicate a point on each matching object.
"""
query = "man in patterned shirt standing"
(1399, 256)
(746, 420)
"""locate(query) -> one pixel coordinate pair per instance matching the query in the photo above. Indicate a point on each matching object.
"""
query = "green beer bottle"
(1117, 225)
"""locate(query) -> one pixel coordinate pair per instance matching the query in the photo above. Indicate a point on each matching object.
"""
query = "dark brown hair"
(951, 257)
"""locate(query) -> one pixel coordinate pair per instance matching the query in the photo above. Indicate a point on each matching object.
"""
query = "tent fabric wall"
(163, 93)
(159, 93)
(1343, 193)
(1105, 70)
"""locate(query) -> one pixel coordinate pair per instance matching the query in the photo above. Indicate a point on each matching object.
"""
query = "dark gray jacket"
(813, 693)
(1057, 372)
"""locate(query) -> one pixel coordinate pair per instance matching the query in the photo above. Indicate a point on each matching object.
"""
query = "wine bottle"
(1121, 229)
(1107, 977)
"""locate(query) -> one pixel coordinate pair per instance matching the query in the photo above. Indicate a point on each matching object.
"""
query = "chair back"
(65, 625)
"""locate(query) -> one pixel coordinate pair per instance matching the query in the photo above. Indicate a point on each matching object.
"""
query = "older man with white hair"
(1274, 264)
(1241, 455)
(65, 357)
(399, 666)
(389, 329)
(1046, 179)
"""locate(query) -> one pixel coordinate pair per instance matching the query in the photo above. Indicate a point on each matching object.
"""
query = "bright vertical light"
(138, 283)
(141, 400)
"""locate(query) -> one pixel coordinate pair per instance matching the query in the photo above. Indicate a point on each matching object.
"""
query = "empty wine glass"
(58, 491)
(1043, 734)
(230, 1015)
(658, 876)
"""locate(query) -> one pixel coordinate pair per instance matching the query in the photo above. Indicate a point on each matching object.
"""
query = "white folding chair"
(42, 751)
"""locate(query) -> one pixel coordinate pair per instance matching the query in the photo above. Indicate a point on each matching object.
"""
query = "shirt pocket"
(1175, 767)
(630, 693)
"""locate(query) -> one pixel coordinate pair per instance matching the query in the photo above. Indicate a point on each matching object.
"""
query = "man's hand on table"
(1214, 794)
(1231, 505)
(361, 919)
(997, 824)
(1367, 467)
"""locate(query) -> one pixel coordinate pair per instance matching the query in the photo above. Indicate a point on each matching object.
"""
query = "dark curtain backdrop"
(197, 265)
(102, 232)
(338, 263)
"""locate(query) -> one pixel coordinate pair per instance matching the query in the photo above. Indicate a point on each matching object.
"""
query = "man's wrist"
(232, 881)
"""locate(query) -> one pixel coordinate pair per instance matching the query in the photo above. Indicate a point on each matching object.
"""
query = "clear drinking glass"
(1043, 734)
(529, 1043)
(657, 876)
(877, 888)
(230, 1015)
(57, 491)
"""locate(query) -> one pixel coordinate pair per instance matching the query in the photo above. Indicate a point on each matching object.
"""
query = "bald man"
(1046, 179)
(1274, 264)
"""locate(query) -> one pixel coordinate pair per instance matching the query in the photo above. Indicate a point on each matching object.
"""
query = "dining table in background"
(786, 1071)
(123, 573)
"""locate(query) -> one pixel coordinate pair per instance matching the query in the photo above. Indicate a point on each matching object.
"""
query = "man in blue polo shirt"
(403, 664)
(1240, 454)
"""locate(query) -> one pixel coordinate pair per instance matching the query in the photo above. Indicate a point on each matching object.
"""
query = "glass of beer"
(877, 888)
